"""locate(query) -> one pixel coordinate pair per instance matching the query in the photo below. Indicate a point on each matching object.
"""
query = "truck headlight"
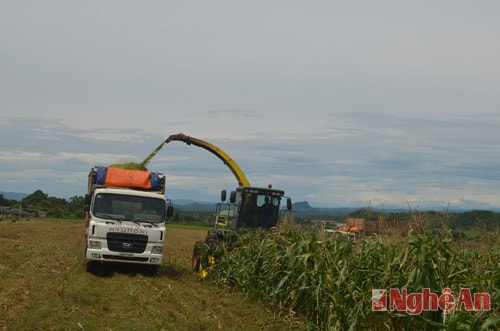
(157, 250)
(94, 244)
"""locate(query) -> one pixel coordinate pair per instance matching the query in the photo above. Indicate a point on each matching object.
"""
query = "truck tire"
(88, 265)
(153, 270)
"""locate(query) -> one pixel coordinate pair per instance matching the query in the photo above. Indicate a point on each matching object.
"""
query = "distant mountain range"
(299, 208)
(191, 205)
(14, 195)
(302, 207)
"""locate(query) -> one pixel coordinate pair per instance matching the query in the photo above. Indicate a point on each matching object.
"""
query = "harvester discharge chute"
(248, 208)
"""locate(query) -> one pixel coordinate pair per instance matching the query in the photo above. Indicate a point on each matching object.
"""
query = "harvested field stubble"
(44, 286)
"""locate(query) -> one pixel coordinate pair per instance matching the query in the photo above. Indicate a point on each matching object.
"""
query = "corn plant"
(329, 281)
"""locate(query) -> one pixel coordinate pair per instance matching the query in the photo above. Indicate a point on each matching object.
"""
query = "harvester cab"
(257, 208)
(247, 209)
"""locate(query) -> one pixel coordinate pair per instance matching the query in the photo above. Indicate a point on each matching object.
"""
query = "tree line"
(51, 206)
(73, 208)
(465, 220)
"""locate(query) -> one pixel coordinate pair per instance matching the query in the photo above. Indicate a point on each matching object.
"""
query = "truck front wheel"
(88, 265)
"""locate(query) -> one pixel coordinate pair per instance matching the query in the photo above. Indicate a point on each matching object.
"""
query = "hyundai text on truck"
(126, 211)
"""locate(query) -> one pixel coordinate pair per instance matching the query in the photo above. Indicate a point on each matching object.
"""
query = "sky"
(339, 103)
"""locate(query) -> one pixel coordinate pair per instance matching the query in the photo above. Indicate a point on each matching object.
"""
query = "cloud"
(360, 158)
(331, 101)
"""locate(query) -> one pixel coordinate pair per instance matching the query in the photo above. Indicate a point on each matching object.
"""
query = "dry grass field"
(43, 286)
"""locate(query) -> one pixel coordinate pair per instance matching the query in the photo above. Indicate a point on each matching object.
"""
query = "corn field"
(327, 282)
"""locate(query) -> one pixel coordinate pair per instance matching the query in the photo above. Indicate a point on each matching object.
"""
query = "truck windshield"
(129, 208)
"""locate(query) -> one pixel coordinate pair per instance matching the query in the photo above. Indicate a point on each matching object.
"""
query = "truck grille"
(126, 242)
(126, 258)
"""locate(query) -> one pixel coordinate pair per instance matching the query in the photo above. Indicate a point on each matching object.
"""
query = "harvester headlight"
(157, 250)
(94, 244)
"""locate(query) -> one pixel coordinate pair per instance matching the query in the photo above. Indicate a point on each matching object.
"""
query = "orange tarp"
(128, 178)
(351, 229)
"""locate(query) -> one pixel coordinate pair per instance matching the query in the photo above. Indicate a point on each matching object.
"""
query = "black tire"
(198, 251)
(89, 266)
(213, 239)
(196, 263)
(153, 270)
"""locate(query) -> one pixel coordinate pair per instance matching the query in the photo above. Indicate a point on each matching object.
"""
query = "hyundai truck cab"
(125, 219)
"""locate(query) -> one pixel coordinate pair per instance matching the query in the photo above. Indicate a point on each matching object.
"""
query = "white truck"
(126, 211)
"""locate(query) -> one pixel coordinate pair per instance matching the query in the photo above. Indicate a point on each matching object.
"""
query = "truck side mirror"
(86, 206)
(223, 195)
(170, 211)
(289, 203)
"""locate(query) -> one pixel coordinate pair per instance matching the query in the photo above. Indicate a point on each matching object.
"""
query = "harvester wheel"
(213, 239)
(198, 251)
